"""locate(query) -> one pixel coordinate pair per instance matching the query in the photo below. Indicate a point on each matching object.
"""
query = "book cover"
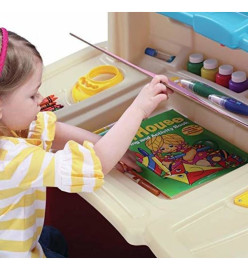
(177, 155)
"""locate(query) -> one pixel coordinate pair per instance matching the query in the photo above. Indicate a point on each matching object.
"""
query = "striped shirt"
(26, 169)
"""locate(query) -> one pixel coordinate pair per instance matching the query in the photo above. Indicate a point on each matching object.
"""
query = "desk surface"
(203, 223)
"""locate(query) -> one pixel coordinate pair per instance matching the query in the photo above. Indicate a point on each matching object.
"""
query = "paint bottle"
(224, 75)
(209, 69)
(195, 63)
(238, 82)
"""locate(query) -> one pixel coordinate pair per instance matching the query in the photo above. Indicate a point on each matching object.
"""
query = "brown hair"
(19, 63)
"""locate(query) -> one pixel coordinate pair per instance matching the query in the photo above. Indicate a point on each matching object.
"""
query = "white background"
(49, 31)
(47, 24)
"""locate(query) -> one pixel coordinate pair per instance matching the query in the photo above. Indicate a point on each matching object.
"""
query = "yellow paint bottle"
(209, 69)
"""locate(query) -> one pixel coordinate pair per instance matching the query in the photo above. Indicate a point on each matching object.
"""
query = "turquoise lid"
(227, 28)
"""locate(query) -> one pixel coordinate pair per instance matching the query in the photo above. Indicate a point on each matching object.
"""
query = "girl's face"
(20, 107)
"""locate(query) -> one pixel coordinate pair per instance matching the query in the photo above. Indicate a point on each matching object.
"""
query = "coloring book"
(177, 155)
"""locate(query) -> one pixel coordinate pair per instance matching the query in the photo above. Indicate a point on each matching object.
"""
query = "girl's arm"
(65, 132)
(111, 147)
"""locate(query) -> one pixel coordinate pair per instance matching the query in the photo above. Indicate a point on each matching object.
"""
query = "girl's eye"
(170, 145)
(35, 96)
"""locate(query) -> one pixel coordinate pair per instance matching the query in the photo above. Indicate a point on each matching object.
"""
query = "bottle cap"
(226, 69)
(150, 51)
(210, 64)
(238, 76)
(196, 58)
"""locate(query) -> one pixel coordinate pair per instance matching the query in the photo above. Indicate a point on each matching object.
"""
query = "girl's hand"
(151, 95)
(128, 161)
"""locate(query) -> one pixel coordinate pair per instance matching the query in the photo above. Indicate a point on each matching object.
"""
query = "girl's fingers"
(160, 97)
(159, 79)
(170, 91)
(119, 167)
(159, 87)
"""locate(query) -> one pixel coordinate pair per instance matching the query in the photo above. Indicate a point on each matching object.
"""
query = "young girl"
(79, 159)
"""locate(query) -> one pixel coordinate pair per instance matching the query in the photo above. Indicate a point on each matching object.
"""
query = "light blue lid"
(227, 28)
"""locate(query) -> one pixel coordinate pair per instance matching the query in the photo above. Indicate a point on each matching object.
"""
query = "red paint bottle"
(224, 75)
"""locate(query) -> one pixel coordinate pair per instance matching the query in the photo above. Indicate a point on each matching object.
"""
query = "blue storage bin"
(227, 28)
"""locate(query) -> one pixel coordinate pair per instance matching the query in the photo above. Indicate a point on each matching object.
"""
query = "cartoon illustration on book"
(171, 157)
(177, 155)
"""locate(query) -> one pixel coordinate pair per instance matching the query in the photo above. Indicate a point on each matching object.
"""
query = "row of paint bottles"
(222, 75)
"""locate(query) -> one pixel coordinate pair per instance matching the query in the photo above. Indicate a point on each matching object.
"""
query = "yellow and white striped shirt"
(26, 168)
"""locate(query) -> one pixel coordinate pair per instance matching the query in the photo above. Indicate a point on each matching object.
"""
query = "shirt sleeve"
(76, 168)
(43, 128)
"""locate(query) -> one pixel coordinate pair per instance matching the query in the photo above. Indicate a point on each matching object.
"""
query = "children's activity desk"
(205, 222)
